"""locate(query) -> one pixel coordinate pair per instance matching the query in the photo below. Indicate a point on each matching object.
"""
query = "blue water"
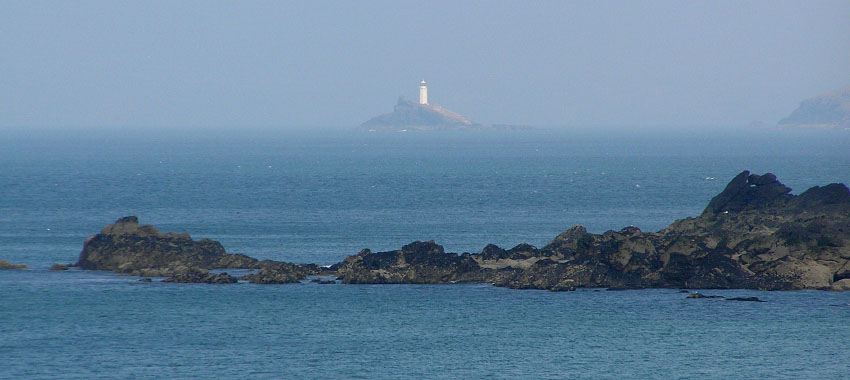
(318, 196)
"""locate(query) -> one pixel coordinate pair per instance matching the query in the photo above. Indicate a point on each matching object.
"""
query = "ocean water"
(317, 196)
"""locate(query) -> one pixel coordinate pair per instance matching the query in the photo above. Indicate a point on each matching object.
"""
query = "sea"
(317, 195)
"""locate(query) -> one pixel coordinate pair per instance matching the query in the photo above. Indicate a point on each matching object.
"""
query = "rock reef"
(126, 247)
(755, 234)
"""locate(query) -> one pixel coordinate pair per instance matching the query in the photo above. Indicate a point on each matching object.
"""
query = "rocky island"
(126, 247)
(753, 235)
(408, 115)
(824, 111)
(424, 116)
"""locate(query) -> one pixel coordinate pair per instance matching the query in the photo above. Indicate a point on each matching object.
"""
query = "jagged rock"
(753, 235)
(56, 267)
(7, 265)
(415, 263)
(749, 191)
(128, 248)
(493, 252)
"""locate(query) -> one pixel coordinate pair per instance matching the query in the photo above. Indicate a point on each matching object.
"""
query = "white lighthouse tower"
(423, 93)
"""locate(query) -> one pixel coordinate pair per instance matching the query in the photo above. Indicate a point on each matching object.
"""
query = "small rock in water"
(749, 299)
(7, 265)
(700, 295)
(145, 280)
(58, 267)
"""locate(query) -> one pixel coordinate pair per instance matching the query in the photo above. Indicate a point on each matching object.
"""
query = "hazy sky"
(276, 63)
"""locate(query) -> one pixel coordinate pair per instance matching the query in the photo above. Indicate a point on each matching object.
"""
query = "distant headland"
(424, 116)
(830, 110)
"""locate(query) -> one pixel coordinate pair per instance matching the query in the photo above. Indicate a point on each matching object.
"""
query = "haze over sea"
(317, 196)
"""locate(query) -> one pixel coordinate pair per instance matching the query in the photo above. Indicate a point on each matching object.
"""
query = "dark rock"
(416, 263)
(145, 280)
(817, 198)
(7, 265)
(493, 252)
(58, 267)
(125, 247)
(194, 275)
(749, 191)
(748, 299)
(274, 272)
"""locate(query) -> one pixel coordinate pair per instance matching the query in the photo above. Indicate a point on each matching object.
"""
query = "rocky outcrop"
(128, 248)
(753, 235)
(750, 192)
(825, 111)
(7, 265)
(416, 263)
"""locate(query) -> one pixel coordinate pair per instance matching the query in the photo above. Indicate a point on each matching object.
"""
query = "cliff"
(824, 111)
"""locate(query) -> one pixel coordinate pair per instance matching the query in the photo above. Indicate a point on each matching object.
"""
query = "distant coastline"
(831, 110)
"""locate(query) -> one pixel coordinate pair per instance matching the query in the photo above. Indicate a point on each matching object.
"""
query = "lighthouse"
(423, 93)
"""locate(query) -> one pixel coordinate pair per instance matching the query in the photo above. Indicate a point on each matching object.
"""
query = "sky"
(285, 64)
